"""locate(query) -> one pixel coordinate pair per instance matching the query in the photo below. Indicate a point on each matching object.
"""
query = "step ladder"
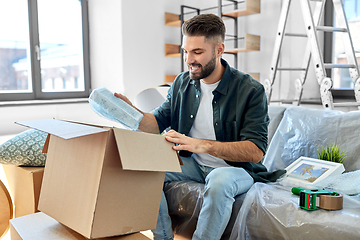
(312, 21)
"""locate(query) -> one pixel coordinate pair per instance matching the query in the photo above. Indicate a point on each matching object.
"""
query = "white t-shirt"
(203, 127)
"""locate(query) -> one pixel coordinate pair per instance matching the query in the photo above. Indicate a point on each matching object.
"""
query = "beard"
(205, 71)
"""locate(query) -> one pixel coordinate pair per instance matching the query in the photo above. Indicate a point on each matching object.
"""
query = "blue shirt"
(239, 112)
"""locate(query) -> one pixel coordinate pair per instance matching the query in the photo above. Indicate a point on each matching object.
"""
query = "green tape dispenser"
(311, 199)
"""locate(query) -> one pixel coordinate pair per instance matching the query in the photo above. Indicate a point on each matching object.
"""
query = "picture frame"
(307, 171)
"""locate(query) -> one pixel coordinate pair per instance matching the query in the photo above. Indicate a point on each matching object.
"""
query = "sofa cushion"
(301, 131)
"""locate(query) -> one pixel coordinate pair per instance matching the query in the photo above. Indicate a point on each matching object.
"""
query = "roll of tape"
(331, 202)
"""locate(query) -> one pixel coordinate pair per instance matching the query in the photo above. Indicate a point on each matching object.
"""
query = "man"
(218, 119)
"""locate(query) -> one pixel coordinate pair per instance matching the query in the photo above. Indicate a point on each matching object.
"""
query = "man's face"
(199, 55)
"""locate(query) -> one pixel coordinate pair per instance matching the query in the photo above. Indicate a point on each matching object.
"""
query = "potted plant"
(331, 153)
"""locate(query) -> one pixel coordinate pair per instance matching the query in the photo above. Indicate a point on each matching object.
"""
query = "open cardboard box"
(100, 181)
(39, 226)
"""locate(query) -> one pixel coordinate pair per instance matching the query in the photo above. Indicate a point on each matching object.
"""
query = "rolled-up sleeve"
(256, 120)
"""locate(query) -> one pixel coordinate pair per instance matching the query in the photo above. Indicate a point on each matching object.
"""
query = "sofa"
(270, 210)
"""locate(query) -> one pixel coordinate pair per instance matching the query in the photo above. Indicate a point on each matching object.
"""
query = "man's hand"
(148, 123)
(238, 151)
(124, 98)
(186, 143)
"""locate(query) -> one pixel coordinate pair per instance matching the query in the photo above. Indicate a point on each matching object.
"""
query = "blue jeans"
(221, 186)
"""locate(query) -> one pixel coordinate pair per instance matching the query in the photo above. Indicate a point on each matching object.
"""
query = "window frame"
(37, 93)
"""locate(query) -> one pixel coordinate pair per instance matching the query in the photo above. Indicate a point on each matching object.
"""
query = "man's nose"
(188, 59)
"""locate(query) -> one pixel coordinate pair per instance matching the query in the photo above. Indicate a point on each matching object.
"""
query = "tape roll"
(331, 202)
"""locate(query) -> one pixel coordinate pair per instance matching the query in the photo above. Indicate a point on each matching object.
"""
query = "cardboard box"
(103, 182)
(25, 185)
(6, 209)
(39, 226)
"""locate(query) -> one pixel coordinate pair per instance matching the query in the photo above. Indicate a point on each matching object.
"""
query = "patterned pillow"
(25, 149)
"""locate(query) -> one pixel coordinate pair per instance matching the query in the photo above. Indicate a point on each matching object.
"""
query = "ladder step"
(291, 69)
(346, 104)
(296, 34)
(284, 100)
(331, 29)
(329, 65)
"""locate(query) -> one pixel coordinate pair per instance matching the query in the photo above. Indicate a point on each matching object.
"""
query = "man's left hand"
(186, 143)
(238, 151)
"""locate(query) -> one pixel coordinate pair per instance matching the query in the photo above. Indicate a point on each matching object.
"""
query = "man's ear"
(220, 48)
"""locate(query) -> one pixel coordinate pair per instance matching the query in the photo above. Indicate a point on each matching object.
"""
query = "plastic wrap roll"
(105, 104)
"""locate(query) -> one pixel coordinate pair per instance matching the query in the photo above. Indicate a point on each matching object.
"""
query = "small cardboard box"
(25, 185)
(39, 226)
(103, 182)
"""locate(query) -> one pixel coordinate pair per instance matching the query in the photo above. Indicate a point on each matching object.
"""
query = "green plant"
(331, 153)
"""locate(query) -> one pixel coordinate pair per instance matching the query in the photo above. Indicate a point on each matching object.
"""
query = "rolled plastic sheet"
(271, 211)
(105, 104)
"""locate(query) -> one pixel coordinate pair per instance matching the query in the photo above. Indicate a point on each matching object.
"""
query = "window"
(43, 49)
(342, 82)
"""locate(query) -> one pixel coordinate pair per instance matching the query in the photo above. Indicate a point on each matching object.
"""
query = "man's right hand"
(124, 98)
(148, 123)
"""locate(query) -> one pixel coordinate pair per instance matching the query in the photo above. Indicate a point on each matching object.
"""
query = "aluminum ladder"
(312, 23)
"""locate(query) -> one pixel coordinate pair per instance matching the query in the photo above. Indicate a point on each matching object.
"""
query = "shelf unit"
(251, 7)
(251, 42)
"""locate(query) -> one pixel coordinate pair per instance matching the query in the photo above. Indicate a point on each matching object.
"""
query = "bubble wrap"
(105, 104)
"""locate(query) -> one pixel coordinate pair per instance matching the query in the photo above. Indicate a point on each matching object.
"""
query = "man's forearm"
(148, 123)
(240, 151)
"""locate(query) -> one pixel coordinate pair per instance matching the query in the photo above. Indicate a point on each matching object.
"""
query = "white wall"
(143, 45)
(106, 40)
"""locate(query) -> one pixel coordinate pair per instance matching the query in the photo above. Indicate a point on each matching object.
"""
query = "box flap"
(63, 129)
(87, 123)
(145, 151)
(46, 144)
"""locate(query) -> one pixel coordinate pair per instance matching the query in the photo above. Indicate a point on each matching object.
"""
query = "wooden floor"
(150, 235)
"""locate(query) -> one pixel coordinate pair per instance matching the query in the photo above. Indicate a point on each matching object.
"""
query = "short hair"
(210, 26)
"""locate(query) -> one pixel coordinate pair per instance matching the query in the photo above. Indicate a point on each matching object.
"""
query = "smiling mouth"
(194, 68)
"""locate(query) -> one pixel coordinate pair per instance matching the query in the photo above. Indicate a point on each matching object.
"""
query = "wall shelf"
(170, 78)
(172, 50)
(252, 7)
(172, 20)
(251, 43)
